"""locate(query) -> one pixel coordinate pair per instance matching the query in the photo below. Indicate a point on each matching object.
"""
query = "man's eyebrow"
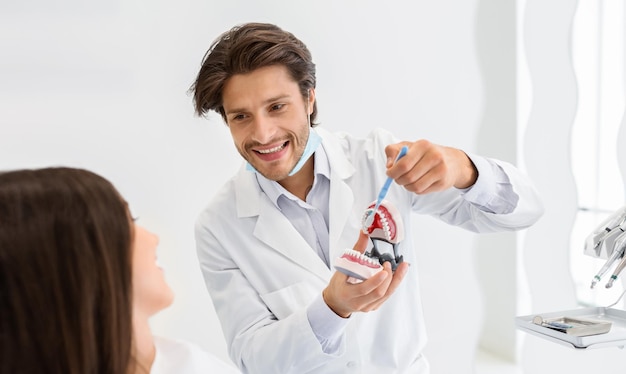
(277, 98)
(265, 102)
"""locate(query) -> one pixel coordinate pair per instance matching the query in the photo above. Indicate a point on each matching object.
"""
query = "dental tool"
(618, 252)
(383, 191)
(620, 245)
(618, 270)
(538, 320)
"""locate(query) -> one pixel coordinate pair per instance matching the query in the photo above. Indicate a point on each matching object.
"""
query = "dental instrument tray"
(593, 327)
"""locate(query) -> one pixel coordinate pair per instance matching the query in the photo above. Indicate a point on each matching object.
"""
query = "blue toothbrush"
(383, 191)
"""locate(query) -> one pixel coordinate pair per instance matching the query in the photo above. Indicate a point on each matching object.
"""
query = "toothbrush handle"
(383, 191)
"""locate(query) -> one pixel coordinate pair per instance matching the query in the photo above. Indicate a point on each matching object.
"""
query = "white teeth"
(360, 256)
(272, 150)
(386, 227)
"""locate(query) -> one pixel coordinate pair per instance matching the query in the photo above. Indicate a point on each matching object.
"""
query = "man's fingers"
(392, 151)
(374, 287)
(361, 243)
(395, 281)
(397, 278)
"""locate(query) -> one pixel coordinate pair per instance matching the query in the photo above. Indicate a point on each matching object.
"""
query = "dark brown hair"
(65, 273)
(243, 49)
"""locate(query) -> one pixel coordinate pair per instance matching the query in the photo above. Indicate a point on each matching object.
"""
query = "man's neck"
(300, 183)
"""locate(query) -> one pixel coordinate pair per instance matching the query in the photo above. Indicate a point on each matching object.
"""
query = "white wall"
(102, 85)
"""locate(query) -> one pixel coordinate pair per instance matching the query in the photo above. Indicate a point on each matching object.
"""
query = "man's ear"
(310, 100)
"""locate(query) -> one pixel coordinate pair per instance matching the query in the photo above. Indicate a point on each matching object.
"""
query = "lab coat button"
(351, 364)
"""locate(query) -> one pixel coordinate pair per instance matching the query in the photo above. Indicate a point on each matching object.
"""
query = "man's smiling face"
(268, 119)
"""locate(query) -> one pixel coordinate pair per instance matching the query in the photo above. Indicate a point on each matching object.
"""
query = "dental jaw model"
(387, 227)
(381, 222)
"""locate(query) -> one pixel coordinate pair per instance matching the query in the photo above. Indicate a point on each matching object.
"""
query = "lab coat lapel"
(341, 195)
(274, 229)
(341, 201)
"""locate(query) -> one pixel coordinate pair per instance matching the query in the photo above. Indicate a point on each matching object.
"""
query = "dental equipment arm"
(600, 243)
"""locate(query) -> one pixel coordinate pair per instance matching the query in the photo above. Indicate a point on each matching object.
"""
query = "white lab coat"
(262, 275)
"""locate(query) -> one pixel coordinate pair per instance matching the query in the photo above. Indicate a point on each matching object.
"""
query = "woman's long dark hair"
(65, 273)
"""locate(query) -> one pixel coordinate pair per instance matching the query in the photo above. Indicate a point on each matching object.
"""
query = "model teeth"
(360, 257)
(386, 228)
(272, 150)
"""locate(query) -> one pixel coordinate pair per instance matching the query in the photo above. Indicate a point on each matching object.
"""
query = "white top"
(181, 357)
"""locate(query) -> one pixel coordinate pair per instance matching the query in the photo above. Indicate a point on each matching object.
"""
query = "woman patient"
(79, 281)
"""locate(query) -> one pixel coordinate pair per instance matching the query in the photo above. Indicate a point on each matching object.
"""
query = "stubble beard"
(270, 172)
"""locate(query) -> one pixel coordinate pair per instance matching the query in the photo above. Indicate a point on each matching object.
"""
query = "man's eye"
(238, 117)
(277, 107)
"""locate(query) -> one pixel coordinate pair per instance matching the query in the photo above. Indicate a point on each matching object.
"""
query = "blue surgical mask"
(311, 146)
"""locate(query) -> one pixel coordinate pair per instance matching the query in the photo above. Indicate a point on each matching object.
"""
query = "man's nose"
(264, 129)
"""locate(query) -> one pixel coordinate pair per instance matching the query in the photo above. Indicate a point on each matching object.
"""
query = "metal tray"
(616, 337)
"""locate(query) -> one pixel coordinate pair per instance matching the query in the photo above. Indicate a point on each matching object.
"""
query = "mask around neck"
(311, 146)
